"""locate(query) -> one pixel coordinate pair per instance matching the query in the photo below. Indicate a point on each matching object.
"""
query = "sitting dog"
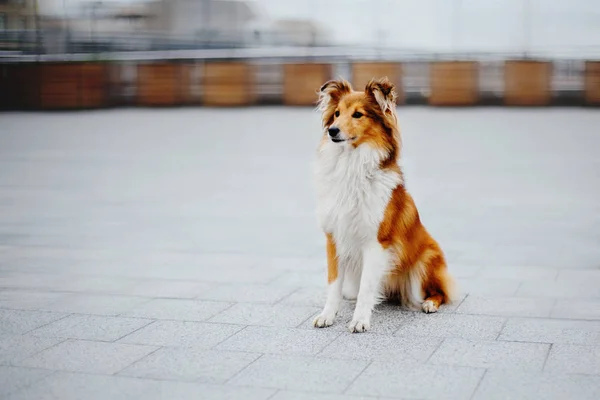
(377, 247)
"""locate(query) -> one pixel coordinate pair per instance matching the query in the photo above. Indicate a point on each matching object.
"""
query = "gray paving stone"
(279, 340)
(302, 279)
(72, 386)
(28, 299)
(502, 385)
(307, 374)
(289, 395)
(18, 321)
(407, 349)
(182, 333)
(491, 354)
(87, 356)
(13, 379)
(247, 293)
(463, 270)
(574, 359)
(162, 288)
(265, 315)
(91, 327)
(551, 331)
(185, 364)
(178, 309)
(489, 287)
(577, 309)
(17, 347)
(109, 305)
(506, 306)
(452, 325)
(561, 289)
(519, 273)
(307, 296)
(422, 382)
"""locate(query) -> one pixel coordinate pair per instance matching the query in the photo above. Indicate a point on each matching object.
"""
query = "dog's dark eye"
(357, 115)
(337, 113)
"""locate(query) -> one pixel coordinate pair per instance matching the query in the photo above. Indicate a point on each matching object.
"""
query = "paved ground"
(174, 254)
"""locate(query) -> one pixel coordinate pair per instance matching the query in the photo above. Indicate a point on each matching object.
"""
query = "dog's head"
(354, 118)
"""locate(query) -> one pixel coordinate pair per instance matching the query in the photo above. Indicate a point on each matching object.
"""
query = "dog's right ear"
(329, 97)
(331, 93)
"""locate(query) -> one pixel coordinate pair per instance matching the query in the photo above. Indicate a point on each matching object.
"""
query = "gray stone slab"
(459, 271)
(87, 356)
(185, 364)
(307, 296)
(247, 293)
(502, 385)
(17, 347)
(163, 288)
(574, 359)
(182, 334)
(91, 327)
(577, 309)
(265, 315)
(422, 381)
(19, 321)
(369, 346)
(519, 273)
(302, 279)
(452, 325)
(308, 374)
(491, 354)
(96, 304)
(561, 289)
(13, 379)
(488, 287)
(290, 395)
(28, 299)
(279, 340)
(72, 386)
(178, 309)
(551, 331)
(506, 306)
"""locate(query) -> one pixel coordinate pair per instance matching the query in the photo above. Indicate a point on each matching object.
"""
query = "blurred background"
(102, 53)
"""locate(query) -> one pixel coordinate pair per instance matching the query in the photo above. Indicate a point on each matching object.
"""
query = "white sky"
(430, 24)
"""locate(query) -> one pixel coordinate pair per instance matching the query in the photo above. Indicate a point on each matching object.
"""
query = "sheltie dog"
(377, 247)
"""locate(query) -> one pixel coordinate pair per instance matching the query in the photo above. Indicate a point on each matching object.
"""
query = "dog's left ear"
(384, 93)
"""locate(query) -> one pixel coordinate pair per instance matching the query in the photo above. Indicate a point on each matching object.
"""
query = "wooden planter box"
(94, 86)
(527, 83)
(228, 84)
(19, 86)
(454, 83)
(592, 82)
(301, 83)
(159, 84)
(363, 72)
(59, 87)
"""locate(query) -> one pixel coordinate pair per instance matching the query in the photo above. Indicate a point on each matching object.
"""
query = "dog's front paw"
(429, 307)
(359, 325)
(324, 320)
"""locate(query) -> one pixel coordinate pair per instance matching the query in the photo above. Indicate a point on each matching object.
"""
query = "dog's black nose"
(333, 131)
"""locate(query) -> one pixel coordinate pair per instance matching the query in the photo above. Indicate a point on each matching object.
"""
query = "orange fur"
(332, 267)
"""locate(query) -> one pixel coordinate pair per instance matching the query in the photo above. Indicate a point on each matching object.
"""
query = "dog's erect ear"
(332, 91)
(384, 93)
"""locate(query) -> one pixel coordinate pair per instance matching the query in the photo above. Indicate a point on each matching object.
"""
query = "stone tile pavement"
(174, 254)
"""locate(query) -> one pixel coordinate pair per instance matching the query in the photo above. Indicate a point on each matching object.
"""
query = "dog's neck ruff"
(353, 192)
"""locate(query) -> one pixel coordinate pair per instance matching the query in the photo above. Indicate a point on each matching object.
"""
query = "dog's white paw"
(429, 307)
(324, 320)
(357, 326)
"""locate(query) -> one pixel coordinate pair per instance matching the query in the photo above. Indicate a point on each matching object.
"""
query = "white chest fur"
(353, 193)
